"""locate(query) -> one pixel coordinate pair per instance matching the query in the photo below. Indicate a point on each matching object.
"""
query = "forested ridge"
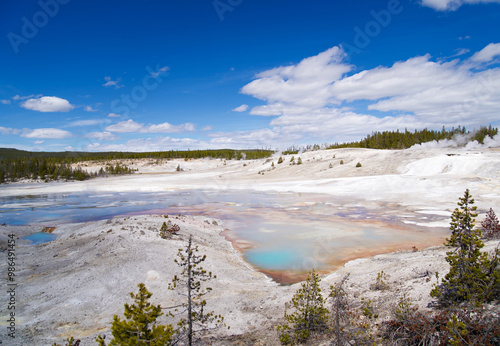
(19, 164)
(402, 140)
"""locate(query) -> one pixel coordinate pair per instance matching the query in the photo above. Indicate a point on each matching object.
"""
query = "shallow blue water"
(40, 238)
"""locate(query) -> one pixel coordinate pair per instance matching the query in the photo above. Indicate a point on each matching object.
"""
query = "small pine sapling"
(381, 283)
(491, 226)
(310, 314)
(190, 282)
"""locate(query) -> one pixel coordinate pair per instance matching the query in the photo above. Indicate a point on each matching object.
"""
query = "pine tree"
(299, 161)
(139, 328)
(310, 313)
(474, 276)
(280, 160)
(190, 280)
(491, 226)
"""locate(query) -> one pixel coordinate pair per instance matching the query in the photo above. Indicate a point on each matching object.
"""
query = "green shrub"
(139, 327)
(310, 314)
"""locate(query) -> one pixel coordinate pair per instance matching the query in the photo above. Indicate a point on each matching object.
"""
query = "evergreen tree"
(491, 227)
(473, 276)
(280, 160)
(139, 328)
(310, 313)
(299, 161)
(190, 280)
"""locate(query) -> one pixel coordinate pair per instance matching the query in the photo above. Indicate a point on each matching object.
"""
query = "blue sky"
(147, 75)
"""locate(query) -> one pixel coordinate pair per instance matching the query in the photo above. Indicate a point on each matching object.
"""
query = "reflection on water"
(282, 234)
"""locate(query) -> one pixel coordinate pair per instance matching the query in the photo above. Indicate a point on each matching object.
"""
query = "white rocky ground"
(74, 285)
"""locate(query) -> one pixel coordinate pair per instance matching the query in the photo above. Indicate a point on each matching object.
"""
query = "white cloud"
(460, 52)
(207, 128)
(414, 94)
(89, 109)
(112, 83)
(160, 71)
(87, 122)
(8, 131)
(113, 115)
(39, 142)
(5, 102)
(102, 136)
(19, 97)
(452, 5)
(48, 133)
(304, 84)
(487, 53)
(241, 108)
(169, 128)
(132, 126)
(125, 126)
(48, 104)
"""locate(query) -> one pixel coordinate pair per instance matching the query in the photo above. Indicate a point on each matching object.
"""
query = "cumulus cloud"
(304, 84)
(47, 133)
(416, 93)
(169, 128)
(241, 108)
(487, 54)
(5, 102)
(207, 128)
(132, 126)
(125, 126)
(113, 115)
(452, 5)
(47, 104)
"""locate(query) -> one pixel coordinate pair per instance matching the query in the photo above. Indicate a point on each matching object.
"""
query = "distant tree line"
(402, 140)
(39, 168)
(19, 164)
(76, 156)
